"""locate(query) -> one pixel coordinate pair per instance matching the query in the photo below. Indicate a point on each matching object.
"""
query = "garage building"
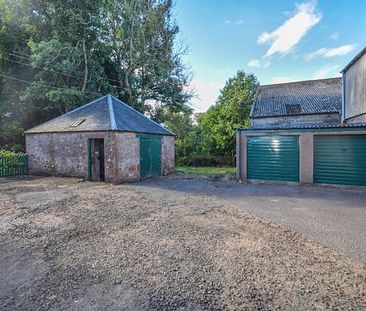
(308, 131)
(103, 140)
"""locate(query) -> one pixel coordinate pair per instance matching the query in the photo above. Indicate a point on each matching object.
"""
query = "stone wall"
(167, 155)
(316, 119)
(66, 154)
(126, 146)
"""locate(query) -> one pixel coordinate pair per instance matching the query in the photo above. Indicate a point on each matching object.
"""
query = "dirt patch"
(71, 245)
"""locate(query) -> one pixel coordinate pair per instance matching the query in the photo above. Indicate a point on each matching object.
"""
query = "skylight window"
(293, 109)
(77, 123)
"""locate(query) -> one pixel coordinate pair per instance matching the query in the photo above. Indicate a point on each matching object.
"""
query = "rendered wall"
(355, 89)
(316, 119)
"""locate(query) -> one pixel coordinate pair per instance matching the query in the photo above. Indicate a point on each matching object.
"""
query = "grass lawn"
(206, 170)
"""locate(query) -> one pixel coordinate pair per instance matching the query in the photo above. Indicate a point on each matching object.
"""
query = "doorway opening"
(96, 159)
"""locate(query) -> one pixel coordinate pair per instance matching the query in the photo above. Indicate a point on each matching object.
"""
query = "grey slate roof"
(104, 114)
(298, 98)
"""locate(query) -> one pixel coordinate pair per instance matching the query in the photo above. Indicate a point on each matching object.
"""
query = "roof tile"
(298, 98)
(104, 114)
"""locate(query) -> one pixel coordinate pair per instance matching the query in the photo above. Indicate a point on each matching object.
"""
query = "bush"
(213, 161)
(15, 148)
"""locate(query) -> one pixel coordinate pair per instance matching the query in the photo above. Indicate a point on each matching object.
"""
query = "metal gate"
(340, 159)
(13, 165)
(150, 156)
(273, 158)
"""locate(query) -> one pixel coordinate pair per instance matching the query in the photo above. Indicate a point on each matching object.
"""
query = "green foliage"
(217, 127)
(186, 140)
(75, 51)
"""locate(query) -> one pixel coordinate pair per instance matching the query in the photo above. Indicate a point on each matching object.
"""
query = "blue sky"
(278, 41)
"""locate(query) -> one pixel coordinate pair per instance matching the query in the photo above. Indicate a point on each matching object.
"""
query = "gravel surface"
(69, 245)
(333, 216)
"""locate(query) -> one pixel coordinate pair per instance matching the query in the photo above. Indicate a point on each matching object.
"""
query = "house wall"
(126, 147)
(66, 154)
(316, 119)
(355, 89)
(167, 155)
(306, 145)
(360, 118)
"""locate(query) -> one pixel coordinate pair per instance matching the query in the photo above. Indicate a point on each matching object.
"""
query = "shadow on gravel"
(202, 185)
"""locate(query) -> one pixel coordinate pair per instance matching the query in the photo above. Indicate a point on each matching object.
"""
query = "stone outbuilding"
(105, 140)
(308, 131)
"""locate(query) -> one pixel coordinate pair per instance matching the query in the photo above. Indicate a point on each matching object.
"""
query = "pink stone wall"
(66, 154)
(127, 149)
(167, 155)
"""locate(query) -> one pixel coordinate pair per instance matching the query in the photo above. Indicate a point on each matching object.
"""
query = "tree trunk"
(85, 67)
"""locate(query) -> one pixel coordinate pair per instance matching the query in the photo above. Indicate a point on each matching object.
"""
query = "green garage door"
(340, 159)
(273, 158)
(150, 156)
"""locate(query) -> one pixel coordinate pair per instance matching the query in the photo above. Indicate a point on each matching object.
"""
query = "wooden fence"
(13, 165)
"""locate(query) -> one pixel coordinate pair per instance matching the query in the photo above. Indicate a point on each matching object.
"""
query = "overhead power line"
(28, 57)
(45, 85)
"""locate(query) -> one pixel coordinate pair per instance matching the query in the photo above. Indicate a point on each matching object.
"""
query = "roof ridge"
(298, 82)
(111, 113)
(129, 107)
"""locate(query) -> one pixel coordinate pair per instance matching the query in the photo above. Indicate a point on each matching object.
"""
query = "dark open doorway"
(96, 159)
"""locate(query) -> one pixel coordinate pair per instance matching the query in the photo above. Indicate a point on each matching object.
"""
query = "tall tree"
(140, 37)
(231, 111)
(56, 55)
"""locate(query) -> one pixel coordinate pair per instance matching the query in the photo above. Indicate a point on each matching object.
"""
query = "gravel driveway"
(335, 217)
(75, 245)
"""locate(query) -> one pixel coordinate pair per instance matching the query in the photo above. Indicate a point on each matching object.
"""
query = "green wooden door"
(150, 157)
(340, 159)
(273, 158)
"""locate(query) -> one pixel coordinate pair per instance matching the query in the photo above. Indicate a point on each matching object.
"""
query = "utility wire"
(81, 77)
(44, 69)
(27, 58)
(45, 85)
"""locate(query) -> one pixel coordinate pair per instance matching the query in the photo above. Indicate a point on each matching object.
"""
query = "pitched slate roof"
(104, 114)
(298, 98)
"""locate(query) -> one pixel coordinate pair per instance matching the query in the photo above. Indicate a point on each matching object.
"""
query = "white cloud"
(254, 63)
(258, 63)
(326, 72)
(207, 91)
(334, 36)
(276, 80)
(290, 33)
(331, 52)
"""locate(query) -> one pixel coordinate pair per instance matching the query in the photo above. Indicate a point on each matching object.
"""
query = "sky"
(278, 41)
